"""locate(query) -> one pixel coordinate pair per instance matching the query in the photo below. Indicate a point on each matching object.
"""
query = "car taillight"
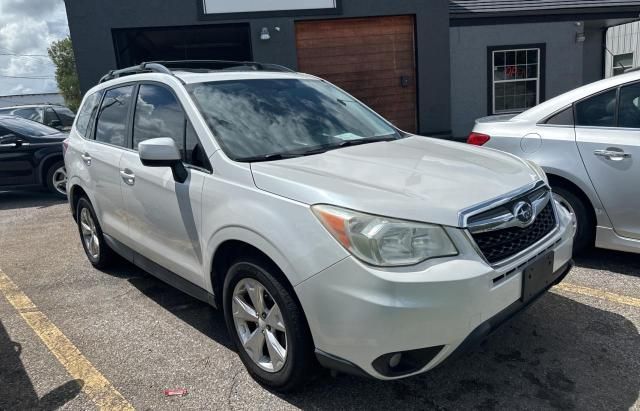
(65, 145)
(478, 139)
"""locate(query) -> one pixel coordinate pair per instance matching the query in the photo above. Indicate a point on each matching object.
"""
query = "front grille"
(501, 244)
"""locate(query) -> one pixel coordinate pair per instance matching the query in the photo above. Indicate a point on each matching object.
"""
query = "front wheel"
(584, 224)
(267, 326)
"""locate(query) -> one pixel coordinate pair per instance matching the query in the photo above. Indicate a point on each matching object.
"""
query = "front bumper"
(359, 314)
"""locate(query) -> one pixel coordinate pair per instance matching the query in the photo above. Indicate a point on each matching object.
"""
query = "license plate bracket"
(537, 277)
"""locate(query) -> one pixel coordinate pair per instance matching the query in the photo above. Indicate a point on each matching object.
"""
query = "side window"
(563, 118)
(111, 126)
(629, 107)
(50, 117)
(86, 113)
(65, 115)
(597, 111)
(194, 152)
(158, 114)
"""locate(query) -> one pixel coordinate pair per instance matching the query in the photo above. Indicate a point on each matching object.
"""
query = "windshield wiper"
(316, 150)
(268, 157)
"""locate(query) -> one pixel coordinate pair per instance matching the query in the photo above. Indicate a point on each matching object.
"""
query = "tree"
(61, 53)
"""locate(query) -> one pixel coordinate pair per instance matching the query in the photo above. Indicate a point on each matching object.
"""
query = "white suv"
(322, 231)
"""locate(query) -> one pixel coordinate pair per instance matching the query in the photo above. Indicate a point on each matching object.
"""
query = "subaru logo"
(523, 212)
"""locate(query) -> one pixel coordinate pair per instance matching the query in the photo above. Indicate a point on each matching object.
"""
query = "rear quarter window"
(85, 114)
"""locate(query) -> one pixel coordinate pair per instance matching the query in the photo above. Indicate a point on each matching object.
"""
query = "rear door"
(17, 166)
(608, 137)
(164, 215)
(102, 160)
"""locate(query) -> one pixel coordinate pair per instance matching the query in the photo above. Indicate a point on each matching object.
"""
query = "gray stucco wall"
(564, 64)
(91, 21)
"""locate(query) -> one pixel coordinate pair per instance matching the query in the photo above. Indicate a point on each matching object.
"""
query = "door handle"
(86, 158)
(128, 177)
(613, 155)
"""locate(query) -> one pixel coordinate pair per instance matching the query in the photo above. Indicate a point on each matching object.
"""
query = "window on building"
(515, 82)
(112, 121)
(622, 62)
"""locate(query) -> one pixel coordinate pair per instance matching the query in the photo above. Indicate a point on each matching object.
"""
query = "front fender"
(249, 236)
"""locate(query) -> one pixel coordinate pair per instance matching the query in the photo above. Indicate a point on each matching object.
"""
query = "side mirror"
(163, 152)
(55, 124)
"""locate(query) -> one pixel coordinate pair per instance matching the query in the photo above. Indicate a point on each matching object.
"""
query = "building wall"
(24, 99)
(91, 22)
(563, 70)
(621, 40)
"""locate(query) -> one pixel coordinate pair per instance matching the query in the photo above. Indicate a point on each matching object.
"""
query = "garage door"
(371, 58)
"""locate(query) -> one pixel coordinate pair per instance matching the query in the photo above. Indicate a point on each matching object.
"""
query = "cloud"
(29, 27)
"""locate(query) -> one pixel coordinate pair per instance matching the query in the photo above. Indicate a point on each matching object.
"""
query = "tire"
(100, 255)
(585, 232)
(53, 179)
(299, 360)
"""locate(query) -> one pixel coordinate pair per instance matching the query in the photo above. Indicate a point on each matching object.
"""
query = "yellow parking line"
(604, 295)
(96, 386)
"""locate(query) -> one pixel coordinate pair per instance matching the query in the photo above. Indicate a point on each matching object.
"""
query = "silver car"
(588, 142)
(319, 229)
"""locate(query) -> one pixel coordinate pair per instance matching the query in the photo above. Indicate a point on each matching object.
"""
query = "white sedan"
(588, 143)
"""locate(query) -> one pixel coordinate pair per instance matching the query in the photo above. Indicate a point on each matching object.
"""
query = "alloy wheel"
(260, 325)
(89, 234)
(59, 180)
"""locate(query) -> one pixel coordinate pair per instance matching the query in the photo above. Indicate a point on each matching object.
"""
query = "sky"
(27, 27)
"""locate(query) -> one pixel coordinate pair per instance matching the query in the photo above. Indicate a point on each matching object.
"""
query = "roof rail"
(142, 68)
(167, 67)
(222, 65)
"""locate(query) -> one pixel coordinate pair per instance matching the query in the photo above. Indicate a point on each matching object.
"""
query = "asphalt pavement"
(76, 338)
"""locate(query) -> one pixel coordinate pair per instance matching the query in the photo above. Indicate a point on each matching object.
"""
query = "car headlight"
(539, 171)
(383, 241)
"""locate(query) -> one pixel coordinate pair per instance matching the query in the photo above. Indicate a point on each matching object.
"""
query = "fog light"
(394, 361)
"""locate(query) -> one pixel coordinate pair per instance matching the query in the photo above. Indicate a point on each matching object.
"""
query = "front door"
(371, 58)
(608, 137)
(164, 215)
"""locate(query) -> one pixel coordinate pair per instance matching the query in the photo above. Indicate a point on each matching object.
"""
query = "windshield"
(258, 120)
(27, 127)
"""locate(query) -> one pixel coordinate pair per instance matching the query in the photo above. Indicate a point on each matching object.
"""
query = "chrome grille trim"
(539, 201)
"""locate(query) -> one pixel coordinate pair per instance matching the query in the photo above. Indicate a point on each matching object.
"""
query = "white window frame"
(613, 62)
(494, 81)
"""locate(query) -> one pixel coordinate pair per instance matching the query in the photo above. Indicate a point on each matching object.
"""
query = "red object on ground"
(478, 139)
(176, 392)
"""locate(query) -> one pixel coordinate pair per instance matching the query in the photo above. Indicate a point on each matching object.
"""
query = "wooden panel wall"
(369, 58)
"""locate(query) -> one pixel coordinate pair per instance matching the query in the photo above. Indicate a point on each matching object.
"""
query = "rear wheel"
(57, 179)
(584, 224)
(97, 250)
(267, 325)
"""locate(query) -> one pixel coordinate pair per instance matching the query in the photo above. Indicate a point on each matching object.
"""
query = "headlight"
(383, 241)
(539, 171)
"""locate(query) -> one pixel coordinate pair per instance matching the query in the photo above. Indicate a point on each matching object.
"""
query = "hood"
(416, 178)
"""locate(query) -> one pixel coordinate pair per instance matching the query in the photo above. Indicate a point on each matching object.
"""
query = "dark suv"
(31, 155)
(58, 117)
